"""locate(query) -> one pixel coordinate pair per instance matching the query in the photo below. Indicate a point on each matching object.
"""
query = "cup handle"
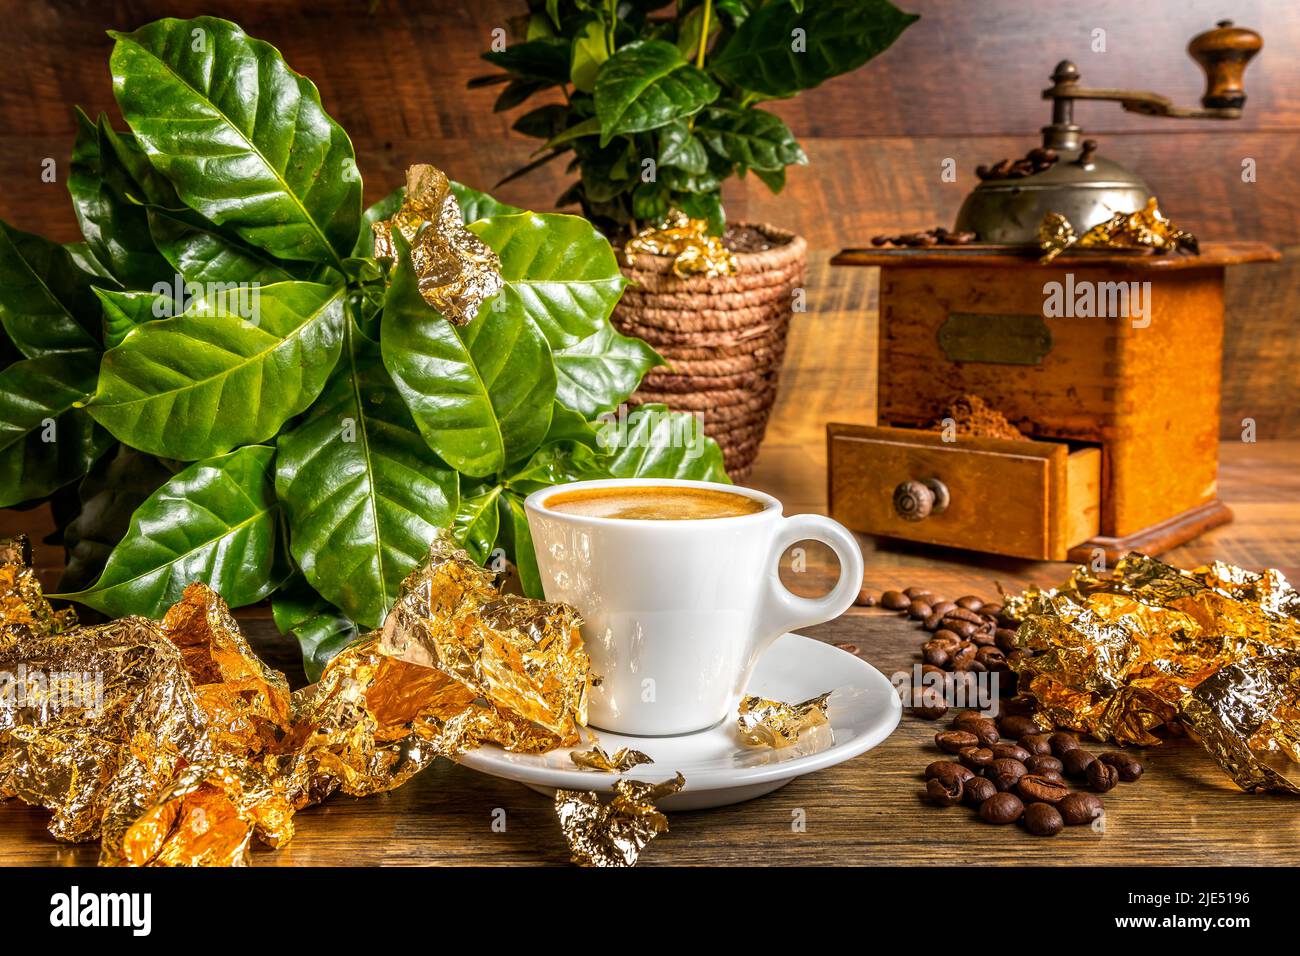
(783, 611)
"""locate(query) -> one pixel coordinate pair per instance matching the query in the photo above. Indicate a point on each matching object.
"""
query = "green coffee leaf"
(837, 36)
(46, 441)
(647, 84)
(362, 493)
(214, 522)
(242, 137)
(229, 371)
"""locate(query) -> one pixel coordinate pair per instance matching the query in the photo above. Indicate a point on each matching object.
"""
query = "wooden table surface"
(869, 810)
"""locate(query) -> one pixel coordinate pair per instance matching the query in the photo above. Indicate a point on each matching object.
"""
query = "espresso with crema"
(653, 503)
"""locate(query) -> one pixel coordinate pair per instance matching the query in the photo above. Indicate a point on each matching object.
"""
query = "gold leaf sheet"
(694, 251)
(455, 270)
(1121, 656)
(772, 723)
(613, 833)
(1146, 228)
(185, 745)
(621, 761)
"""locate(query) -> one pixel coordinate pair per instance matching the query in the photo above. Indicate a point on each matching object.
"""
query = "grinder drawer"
(1026, 499)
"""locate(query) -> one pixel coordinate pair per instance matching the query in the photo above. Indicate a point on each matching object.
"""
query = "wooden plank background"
(962, 83)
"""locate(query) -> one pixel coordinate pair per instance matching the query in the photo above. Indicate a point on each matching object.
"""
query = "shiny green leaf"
(481, 394)
(563, 271)
(596, 374)
(214, 522)
(45, 440)
(478, 523)
(519, 539)
(647, 84)
(123, 311)
(201, 252)
(320, 630)
(752, 138)
(838, 36)
(228, 371)
(654, 442)
(588, 53)
(47, 304)
(475, 205)
(242, 137)
(362, 493)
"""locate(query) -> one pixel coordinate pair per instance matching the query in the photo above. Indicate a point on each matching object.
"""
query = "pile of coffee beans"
(1025, 782)
(968, 635)
(1035, 161)
(938, 236)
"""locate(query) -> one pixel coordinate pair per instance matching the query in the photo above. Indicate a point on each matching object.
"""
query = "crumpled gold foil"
(24, 612)
(623, 759)
(694, 251)
(175, 745)
(1146, 228)
(1123, 655)
(771, 723)
(614, 833)
(455, 269)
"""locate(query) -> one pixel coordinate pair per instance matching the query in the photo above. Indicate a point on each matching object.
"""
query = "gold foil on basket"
(1146, 228)
(771, 723)
(694, 251)
(173, 743)
(456, 270)
(623, 759)
(1123, 655)
(613, 833)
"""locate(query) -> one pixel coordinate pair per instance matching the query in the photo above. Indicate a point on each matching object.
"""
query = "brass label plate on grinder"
(1000, 338)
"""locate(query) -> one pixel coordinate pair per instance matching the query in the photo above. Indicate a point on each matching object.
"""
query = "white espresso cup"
(677, 612)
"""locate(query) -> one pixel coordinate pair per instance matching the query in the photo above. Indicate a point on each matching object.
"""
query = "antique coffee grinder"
(1107, 358)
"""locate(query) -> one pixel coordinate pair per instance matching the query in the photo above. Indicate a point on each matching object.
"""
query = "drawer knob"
(915, 500)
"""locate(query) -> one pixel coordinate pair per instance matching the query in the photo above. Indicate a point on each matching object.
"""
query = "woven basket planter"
(724, 338)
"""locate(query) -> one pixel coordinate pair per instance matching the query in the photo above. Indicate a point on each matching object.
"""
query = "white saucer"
(864, 709)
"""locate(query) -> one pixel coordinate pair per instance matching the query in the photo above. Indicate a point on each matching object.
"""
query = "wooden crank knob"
(916, 500)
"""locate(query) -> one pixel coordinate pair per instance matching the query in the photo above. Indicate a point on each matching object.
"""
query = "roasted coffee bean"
(991, 610)
(1080, 808)
(964, 658)
(930, 713)
(895, 600)
(1002, 808)
(1034, 788)
(1004, 773)
(1037, 744)
(933, 654)
(967, 720)
(941, 607)
(925, 597)
(913, 592)
(1005, 639)
(933, 622)
(944, 794)
(962, 628)
(977, 790)
(970, 602)
(918, 610)
(985, 729)
(990, 657)
(1040, 763)
(947, 637)
(951, 741)
(932, 669)
(1076, 762)
(1043, 819)
(975, 758)
(1063, 742)
(963, 614)
(947, 770)
(1016, 726)
(1128, 766)
(984, 639)
(865, 598)
(1102, 777)
(1011, 752)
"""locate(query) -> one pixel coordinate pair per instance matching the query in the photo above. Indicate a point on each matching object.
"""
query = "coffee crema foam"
(653, 503)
